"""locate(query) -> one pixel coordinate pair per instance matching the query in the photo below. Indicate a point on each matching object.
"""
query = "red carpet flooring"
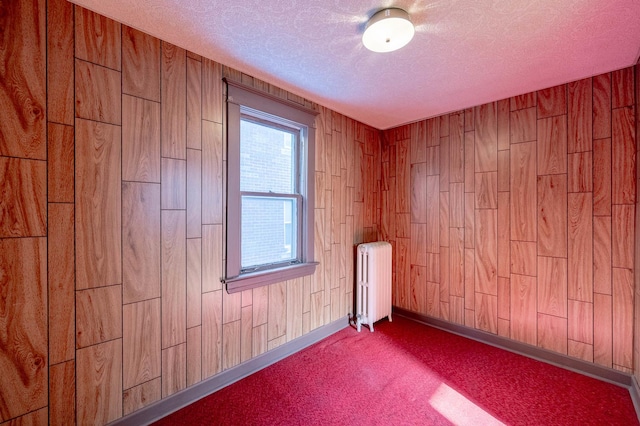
(406, 373)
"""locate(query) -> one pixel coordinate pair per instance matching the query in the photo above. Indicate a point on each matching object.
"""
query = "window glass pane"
(267, 159)
(269, 230)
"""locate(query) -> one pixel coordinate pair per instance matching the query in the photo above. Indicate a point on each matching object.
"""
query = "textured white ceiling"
(464, 53)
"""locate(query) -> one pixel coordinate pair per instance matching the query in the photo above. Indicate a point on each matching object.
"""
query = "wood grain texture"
(486, 190)
(523, 309)
(231, 344)
(552, 333)
(580, 172)
(194, 104)
(62, 393)
(60, 164)
(174, 369)
(231, 307)
(486, 138)
(456, 205)
(23, 326)
(503, 171)
(61, 283)
(580, 350)
(602, 330)
(444, 152)
(212, 172)
(552, 101)
(98, 209)
(504, 242)
(622, 86)
(469, 161)
(433, 214)
(526, 100)
(141, 241)
(23, 80)
(552, 215)
(418, 289)
(602, 106)
(523, 258)
(552, 145)
(212, 90)
(403, 176)
(418, 142)
(246, 342)
(140, 64)
(486, 261)
(469, 121)
(469, 277)
(97, 93)
(194, 355)
(97, 38)
(34, 418)
(486, 311)
(444, 219)
(174, 286)
(580, 116)
(469, 220)
(523, 125)
(623, 156)
(140, 140)
(194, 282)
(552, 286)
(60, 51)
(580, 321)
(212, 333)
(523, 192)
(622, 236)
(456, 148)
(23, 199)
(277, 324)
(418, 244)
(602, 177)
(174, 184)
(98, 315)
(99, 372)
(173, 101)
(580, 247)
(140, 396)
(602, 254)
(503, 113)
(212, 252)
(504, 299)
(141, 357)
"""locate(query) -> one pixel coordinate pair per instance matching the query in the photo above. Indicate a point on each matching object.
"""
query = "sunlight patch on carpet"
(458, 409)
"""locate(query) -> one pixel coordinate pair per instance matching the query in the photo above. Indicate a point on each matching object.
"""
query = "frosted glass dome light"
(388, 30)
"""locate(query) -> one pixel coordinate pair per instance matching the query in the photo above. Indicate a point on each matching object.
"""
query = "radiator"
(373, 289)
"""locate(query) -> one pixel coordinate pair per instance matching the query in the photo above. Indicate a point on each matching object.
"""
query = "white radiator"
(373, 292)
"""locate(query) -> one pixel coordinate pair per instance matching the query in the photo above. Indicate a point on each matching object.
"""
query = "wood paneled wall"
(112, 164)
(517, 217)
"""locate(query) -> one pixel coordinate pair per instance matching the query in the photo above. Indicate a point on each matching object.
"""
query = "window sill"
(258, 279)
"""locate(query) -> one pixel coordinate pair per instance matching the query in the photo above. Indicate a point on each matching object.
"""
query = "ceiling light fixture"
(388, 30)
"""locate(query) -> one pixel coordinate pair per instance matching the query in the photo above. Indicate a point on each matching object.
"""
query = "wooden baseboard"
(166, 406)
(563, 361)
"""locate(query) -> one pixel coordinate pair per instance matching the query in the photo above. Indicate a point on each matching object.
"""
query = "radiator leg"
(390, 318)
(371, 327)
(358, 325)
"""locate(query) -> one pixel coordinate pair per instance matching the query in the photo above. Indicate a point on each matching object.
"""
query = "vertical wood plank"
(623, 156)
(277, 324)
(602, 330)
(523, 309)
(523, 258)
(230, 344)
(174, 286)
(552, 101)
(174, 184)
(523, 125)
(469, 161)
(552, 145)
(469, 284)
(23, 200)
(140, 64)
(486, 138)
(403, 176)
(174, 369)
(486, 311)
(212, 252)
(580, 321)
(552, 286)
(23, 80)
(97, 92)
(580, 247)
(580, 116)
(194, 355)
(602, 177)
(552, 333)
(623, 317)
(140, 396)
(141, 241)
(194, 104)
(60, 51)
(456, 148)
(23, 272)
(433, 214)
(622, 236)
(99, 372)
(486, 261)
(140, 140)
(622, 86)
(62, 393)
(523, 192)
(98, 210)
(194, 282)
(61, 283)
(60, 165)
(97, 38)
(486, 190)
(527, 100)
(174, 101)
(580, 171)
(552, 215)
(212, 172)
(503, 124)
(602, 254)
(212, 90)
(602, 106)
(504, 242)
(98, 315)
(141, 342)
(211, 333)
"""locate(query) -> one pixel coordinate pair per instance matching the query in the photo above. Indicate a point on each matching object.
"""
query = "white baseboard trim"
(175, 402)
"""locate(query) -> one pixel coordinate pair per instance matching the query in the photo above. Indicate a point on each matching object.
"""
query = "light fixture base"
(388, 30)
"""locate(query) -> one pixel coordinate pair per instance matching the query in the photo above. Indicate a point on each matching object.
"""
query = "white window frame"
(241, 98)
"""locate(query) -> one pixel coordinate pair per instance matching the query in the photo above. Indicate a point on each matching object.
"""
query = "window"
(270, 189)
